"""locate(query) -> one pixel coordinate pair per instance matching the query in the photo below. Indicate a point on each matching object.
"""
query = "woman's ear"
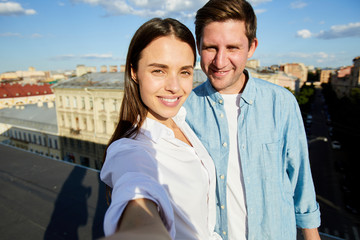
(133, 75)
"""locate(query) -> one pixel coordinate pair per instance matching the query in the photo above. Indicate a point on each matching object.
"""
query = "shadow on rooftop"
(71, 209)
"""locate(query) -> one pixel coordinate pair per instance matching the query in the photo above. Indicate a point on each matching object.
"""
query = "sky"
(61, 34)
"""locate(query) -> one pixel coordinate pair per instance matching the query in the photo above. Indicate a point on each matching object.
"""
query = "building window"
(50, 143)
(91, 104)
(67, 99)
(82, 102)
(85, 161)
(62, 120)
(60, 101)
(102, 104)
(44, 141)
(104, 126)
(75, 102)
(39, 138)
(115, 103)
(55, 144)
(85, 123)
(24, 134)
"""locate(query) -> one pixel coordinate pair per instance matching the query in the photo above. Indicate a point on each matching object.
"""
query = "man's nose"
(220, 59)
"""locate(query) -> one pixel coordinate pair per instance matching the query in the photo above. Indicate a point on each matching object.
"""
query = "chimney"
(113, 68)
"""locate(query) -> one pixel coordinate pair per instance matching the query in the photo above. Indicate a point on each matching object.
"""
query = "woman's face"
(165, 76)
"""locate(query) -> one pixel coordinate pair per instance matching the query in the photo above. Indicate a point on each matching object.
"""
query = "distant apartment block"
(253, 63)
(325, 75)
(298, 70)
(31, 127)
(279, 78)
(347, 78)
(15, 94)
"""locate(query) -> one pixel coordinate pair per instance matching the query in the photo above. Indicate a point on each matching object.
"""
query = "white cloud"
(259, 11)
(97, 56)
(14, 9)
(10, 34)
(147, 8)
(336, 31)
(298, 5)
(90, 56)
(321, 57)
(258, 2)
(304, 33)
(341, 31)
(36, 35)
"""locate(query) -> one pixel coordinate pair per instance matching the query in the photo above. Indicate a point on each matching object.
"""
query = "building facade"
(298, 70)
(31, 127)
(347, 78)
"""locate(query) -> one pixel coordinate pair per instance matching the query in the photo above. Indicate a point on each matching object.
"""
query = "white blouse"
(179, 178)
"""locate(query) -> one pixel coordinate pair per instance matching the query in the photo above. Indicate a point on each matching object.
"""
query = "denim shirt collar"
(248, 94)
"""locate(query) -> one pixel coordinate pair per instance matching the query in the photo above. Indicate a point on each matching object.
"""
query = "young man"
(253, 130)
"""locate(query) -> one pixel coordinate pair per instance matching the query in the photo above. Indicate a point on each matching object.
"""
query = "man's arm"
(311, 234)
(140, 220)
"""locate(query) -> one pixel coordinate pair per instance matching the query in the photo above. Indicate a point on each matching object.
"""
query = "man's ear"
(253, 47)
(133, 75)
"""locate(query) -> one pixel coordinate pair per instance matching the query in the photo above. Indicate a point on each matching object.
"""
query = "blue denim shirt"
(279, 190)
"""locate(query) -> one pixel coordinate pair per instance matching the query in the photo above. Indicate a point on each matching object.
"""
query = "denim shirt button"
(224, 144)
(220, 101)
(222, 177)
(221, 115)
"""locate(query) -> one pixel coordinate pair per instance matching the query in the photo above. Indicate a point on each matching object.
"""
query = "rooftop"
(13, 90)
(31, 116)
(42, 198)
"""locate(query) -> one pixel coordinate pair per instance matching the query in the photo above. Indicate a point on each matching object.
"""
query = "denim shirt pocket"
(270, 158)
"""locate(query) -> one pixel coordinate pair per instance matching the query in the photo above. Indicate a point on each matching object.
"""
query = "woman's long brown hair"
(133, 112)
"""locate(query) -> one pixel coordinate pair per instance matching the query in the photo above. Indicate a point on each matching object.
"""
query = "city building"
(32, 127)
(31, 76)
(347, 78)
(298, 70)
(15, 94)
(278, 77)
(325, 75)
(253, 63)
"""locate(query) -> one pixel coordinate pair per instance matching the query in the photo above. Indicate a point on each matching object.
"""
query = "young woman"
(161, 176)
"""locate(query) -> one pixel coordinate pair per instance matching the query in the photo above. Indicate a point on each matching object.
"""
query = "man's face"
(224, 51)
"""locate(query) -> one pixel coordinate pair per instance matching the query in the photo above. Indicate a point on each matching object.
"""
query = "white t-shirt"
(235, 194)
(179, 178)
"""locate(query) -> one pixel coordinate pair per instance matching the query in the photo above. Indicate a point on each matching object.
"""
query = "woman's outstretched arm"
(140, 220)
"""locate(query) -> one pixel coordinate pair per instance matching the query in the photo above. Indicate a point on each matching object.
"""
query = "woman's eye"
(157, 71)
(186, 73)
